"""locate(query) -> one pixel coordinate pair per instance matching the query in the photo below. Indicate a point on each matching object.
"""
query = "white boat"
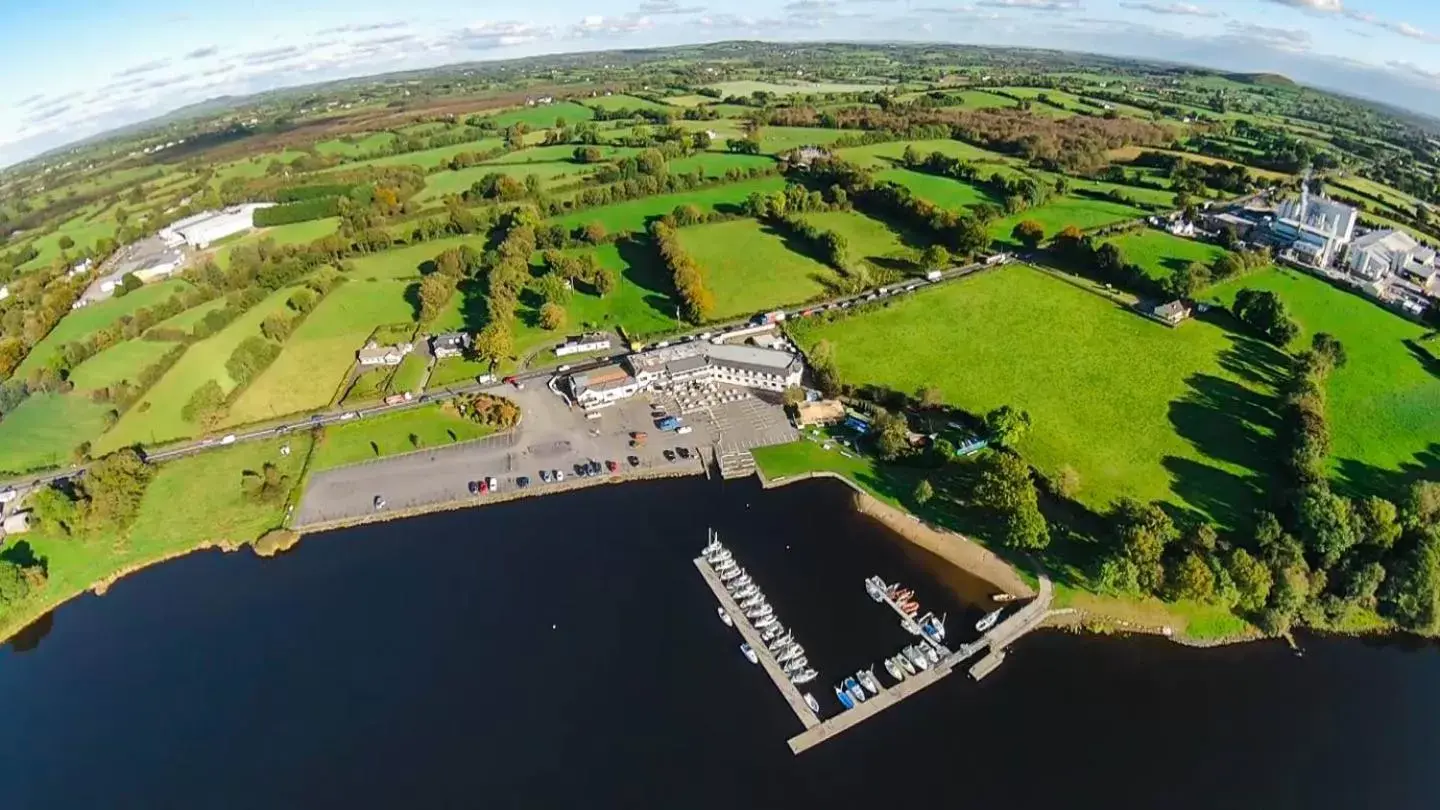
(917, 658)
(749, 654)
(779, 641)
(844, 697)
(910, 626)
(725, 617)
(766, 621)
(739, 582)
(720, 557)
(988, 620)
(789, 651)
(855, 690)
(725, 565)
(812, 703)
(932, 654)
(762, 609)
(775, 634)
(755, 599)
(712, 546)
(803, 676)
(796, 665)
(867, 680)
(876, 587)
(904, 662)
(892, 667)
(731, 574)
(746, 591)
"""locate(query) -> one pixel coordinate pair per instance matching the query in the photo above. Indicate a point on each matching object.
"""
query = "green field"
(251, 168)
(426, 159)
(774, 140)
(543, 116)
(1136, 408)
(406, 262)
(746, 88)
(410, 374)
(156, 418)
(869, 239)
(363, 145)
(189, 318)
(1159, 253)
(123, 361)
(715, 164)
(1384, 404)
(635, 214)
(942, 191)
(1057, 214)
(981, 100)
(321, 352)
(295, 233)
(441, 183)
(46, 428)
(88, 320)
(889, 154)
(750, 269)
(621, 101)
(389, 434)
(191, 502)
(81, 228)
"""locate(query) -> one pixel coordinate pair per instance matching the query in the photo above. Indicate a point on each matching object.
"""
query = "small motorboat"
(739, 582)
(795, 665)
(725, 617)
(712, 546)
(725, 565)
(917, 657)
(722, 556)
(732, 574)
(904, 596)
(762, 609)
(905, 664)
(933, 627)
(894, 669)
(745, 592)
(844, 697)
(752, 600)
(910, 626)
(876, 587)
(812, 703)
(766, 621)
(910, 608)
(988, 620)
(932, 654)
(1003, 597)
(780, 642)
(867, 680)
(749, 654)
(853, 687)
(803, 676)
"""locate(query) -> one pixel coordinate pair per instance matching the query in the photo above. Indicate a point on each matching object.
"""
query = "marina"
(861, 695)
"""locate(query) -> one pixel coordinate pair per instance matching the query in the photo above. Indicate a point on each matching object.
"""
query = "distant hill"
(1262, 79)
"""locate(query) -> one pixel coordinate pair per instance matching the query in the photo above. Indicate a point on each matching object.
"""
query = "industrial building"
(1314, 229)
(200, 230)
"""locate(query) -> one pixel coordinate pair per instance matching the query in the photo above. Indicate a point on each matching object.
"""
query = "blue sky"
(77, 67)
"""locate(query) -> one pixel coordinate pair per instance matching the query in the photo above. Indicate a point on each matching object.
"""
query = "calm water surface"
(563, 652)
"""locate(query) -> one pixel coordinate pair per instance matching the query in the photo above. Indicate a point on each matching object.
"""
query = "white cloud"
(667, 7)
(1174, 9)
(1033, 5)
(1413, 71)
(488, 35)
(600, 25)
(1323, 6)
(1292, 40)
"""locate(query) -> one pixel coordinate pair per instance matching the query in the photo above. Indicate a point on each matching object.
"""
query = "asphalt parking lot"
(553, 435)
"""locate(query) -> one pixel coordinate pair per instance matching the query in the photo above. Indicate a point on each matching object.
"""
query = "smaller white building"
(200, 230)
(589, 342)
(4, 293)
(602, 386)
(1382, 253)
(376, 355)
(17, 523)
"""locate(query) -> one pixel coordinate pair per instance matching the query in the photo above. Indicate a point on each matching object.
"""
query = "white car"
(230, 439)
(348, 415)
(564, 368)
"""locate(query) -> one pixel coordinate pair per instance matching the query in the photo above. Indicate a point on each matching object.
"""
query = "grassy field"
(88, 320)
(426, 159)
(1127, 154)
(745, 88)
(250, 168)
(621, 101)
(295, 233)
(943, 191)
(405, 262)
(190, 503)
(774, 140)
(1054, 216)
(1159, 253)
(410, 374)
(320, 353)
(1384, 404)
(715, 164)
(81, 228)
(642, 303)
(750, 269)
(123, 361)
(543, 116)
(981, 100)
(189, 318)
(46, 428)
(635, 214)
(1136, 408)
(389, 434)
(362, 144)
(156, 418)
(869, 239)
(888, 154)
(550, 172)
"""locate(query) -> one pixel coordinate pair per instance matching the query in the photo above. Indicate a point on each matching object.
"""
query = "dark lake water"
(564, 652)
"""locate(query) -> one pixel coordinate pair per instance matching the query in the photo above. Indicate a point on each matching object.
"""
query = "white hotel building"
(696, 361)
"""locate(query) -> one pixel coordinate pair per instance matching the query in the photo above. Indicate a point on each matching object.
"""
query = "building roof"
(1388, 240)
(1171, 309)
(603, 378)
(451, 339)
(770, 360)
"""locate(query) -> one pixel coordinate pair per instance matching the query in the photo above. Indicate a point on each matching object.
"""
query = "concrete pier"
(987, 665)
(752, 637)
(812, 737)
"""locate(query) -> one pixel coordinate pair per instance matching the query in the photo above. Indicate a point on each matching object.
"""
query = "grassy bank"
(394, 433)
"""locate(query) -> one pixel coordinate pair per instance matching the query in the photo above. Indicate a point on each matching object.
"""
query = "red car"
(611, 466)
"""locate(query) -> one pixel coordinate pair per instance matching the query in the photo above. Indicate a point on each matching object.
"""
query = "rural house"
(376, 355)
(1172, 313)
(450, 344)
(588, 342)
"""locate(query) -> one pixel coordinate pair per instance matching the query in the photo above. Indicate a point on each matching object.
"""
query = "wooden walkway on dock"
(752, 637)
(812, 737)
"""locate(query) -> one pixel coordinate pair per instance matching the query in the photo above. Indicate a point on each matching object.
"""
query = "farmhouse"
(450, 344)
(376, 355)
(200, 230)
(588, 342)
(1172, 313)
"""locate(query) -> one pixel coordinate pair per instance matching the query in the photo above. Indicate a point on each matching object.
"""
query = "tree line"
(688, 276)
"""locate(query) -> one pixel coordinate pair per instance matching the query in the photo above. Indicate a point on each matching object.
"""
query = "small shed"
(17, 523)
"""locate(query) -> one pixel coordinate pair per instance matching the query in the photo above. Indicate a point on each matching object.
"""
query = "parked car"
(684, 429)
(557, 475)
(611, 465)
(493, 483)
(484, 485)
(379, 503)
(522, 481)
(683, 451)
(474, 487)
(669, 455)
(545, 476)
(634, 461)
